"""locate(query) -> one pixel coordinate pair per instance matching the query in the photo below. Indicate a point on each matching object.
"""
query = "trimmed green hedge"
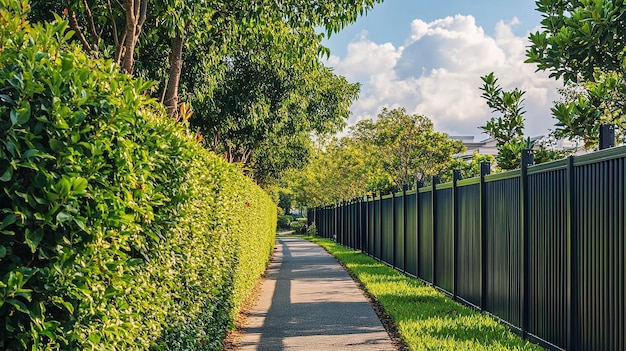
(117, 229)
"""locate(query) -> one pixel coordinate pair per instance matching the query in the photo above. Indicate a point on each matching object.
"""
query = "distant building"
(488, 146)
(484, 147)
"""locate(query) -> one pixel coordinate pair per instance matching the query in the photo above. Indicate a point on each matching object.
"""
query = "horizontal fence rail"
(541, 248)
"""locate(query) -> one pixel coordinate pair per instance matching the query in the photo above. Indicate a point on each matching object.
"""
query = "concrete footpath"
(309, 302)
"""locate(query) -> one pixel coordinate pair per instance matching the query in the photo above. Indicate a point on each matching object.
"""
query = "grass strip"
(425, 318)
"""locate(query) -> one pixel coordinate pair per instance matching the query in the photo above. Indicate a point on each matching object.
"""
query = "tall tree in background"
(221, 27)
(584, 42)
(249, 69)
(409, 147)
(262, 115)
(376, 156)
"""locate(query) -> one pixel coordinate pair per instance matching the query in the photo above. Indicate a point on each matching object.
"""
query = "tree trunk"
(176, 67)
(135, 17)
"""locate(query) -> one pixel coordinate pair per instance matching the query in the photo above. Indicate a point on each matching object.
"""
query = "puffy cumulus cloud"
(437, 73)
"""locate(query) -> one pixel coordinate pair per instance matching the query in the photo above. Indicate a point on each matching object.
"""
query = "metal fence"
(541, 248)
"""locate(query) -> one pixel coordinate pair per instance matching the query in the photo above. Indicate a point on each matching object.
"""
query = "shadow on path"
(309, 302)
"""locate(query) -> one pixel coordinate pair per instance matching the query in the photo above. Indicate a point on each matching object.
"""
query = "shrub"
(117, 229)
(296, 225)
(283, 221)
(311, 230)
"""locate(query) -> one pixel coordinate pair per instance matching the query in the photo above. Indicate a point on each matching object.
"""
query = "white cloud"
(437, 73)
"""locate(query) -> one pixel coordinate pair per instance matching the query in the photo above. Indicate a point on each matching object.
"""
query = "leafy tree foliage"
(336, 172)
(408, 147)
(220, 27)
(285, 201)
(250, 71)
(578, 38)
(584, 43)
(508, 128)
(262, 115)
(468, 169)
(376, 156)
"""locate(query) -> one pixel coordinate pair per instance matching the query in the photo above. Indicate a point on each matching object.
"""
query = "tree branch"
(92, 25)
(115, 35)
(120, 50)
(78, 31)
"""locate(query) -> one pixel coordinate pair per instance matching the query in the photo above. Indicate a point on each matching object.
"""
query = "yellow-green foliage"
(118, 231)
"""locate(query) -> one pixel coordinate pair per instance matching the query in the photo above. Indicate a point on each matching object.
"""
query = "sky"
(428, 56)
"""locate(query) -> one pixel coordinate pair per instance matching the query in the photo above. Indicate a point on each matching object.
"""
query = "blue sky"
(428, 56)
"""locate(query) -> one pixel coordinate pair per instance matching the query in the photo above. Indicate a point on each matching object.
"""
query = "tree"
(468, 169)
(409, 147)
(508, 128)
(584, 42)
(221, 27)
(375, 156)
(262, 114)
(285, 201)
(336, 172)
(578, 38)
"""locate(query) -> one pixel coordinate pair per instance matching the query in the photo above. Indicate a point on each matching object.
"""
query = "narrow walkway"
(309, 302)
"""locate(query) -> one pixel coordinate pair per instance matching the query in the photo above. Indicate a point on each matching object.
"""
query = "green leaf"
(6, 176)
(8, 220)
(3, 251)
(14, 117)
(19, 305)
(33, 238)
(63, 217)
(7, 99)
(79, 185)
(23, 114)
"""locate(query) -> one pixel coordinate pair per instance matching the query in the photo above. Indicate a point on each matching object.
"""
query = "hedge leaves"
(117, 230)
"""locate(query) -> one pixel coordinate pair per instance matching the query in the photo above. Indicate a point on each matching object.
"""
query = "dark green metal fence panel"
(411, 235)
(549, 263)
(371, 227)
(425, 221)
(444, 240)
(548, 245)
(378, 242)
(362, 231)
(387, 234)
(504, 249)
(600, 213)
(468, 263)
(399, 256)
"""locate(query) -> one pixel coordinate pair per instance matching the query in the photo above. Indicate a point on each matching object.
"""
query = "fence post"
(335, 236)
(365, 228)
(405, 187)
(607, 136)
(485, 169)
(572, 258)
(417, 227)
(380, 224)
(456, 176)
(527, 160)
(394, 230)
(435, 181)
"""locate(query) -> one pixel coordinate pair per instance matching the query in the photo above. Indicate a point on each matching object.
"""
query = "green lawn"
(426, 319)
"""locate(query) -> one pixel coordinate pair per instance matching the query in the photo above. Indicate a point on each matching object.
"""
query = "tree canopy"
(250, 70)
(376, 156)
(584, 43)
